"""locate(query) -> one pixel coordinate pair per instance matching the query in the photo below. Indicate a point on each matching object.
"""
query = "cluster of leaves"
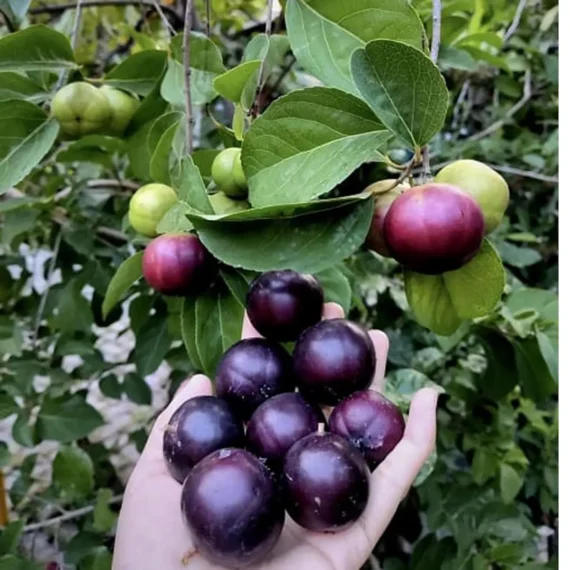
(480, 500)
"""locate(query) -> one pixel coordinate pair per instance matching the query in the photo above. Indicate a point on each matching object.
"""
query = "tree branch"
(187, 75)
(516, 21)
(163, 17)
(73, 41)
(527, 95)
(436, 32)
(286, 69)
(208, 18)
(257, 101)
(57, 8)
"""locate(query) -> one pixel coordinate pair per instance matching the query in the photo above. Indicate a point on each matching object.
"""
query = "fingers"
(381, 346)
(392, 479)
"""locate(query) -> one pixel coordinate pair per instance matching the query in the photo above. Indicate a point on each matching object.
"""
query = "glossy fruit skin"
(434, 228)
(282, 304)
(280, 422)
(223, 173)
(371, 423)
(81, 109)
(332, 360)
(326, 483)
(252, 371)
(223, 204)
(123, 107)
(148, 205)
(197, 428)
(480, 181)
(178, 265)
(375, 239)
(232, 508)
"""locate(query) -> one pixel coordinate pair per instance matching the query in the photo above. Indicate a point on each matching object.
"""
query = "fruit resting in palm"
(434, 228)
(123, 107)
(487, 186)
(148, 206)
(81, 109)
(228, 174)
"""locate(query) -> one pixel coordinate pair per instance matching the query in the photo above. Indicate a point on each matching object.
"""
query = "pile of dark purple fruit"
(263, 445)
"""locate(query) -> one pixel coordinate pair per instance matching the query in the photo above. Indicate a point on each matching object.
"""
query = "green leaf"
(426, 470)
(103, 517)
(188, 329)
(27, 136)
(10, 537)
(152, 106)
(73, 310)
(8, 406)
(139, 72)
(128, 273)
(205, 63)
(160, 159)
(237, 282)
(403, 87)
(66, 418)
(151, 345)
(306, 143)
(99, 559)
(35, 48)
(540, 300)
(16, 86)
(4, 454)
(110, 387)
(477, 287)
(500, 376)
(15, 9)
(137, 390)
(535, 378)
(402, 384)
(336, 287)
(516, 256)
(159, 126)
(485, 465)
(73, 473)
(232, 83)
(325, 33)
(511, 483)
(310, 242)
(11, 562)
(187, 180)
(137, 150)
(22, 432)
(549, 350)
(431, 303)
(175, 219)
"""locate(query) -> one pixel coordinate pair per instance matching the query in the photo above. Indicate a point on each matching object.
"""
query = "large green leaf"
(128, 272)
(73, 472)
(152, 344)
(17, 86)
(160, 126)
(206, 64)
(310, 242)
(139, 72)
(66, 419)
(35, 48)
(187, 180)
(402, 384)
(27, 136)
(325, 33)
(403, 87)
(306, 143)
(231, 83)
(535, 378)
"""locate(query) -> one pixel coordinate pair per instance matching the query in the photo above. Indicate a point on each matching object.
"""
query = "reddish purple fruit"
(434, 228)
(280, 422)
(178, 264)
(332, 360)
(196, 429)
(252, 371)
(326, 482)
(282, 304)
(231, 505)
(372, 423)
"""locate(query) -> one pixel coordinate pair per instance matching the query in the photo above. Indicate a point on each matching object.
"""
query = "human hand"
(151, 534)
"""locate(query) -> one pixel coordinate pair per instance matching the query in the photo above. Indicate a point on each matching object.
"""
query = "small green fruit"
(81, 109)
(148, 206)
(123, 107)
(223, 173)
(222, 204)
(484, 184)
(239, 174)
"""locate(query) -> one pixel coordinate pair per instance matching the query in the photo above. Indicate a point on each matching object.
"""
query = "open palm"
(151, 534)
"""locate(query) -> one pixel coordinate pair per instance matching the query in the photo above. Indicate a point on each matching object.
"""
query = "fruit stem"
(321, 428)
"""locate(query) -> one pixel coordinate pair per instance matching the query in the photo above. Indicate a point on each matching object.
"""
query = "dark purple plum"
(332, 360)
(282, 304)
(434, 228)
(252, 371)
(231, 505)
(326, 482)
(280, 422)
(372, 423)
(196, 429)
(178, 264)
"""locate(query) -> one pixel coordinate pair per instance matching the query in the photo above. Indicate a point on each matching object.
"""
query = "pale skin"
(151, 534)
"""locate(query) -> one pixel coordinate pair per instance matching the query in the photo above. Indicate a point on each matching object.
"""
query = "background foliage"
(488, 499)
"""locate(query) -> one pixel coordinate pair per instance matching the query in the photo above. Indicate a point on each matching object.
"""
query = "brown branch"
(186, 48)
(286, 69)
(257, 100)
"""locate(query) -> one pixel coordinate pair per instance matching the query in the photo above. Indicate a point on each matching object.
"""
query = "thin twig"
(73, 41)
(163, 17)
(187, 75)
(527, 95)
(208, 18)
(78, 513)
(436, 32)
(405, 173)
(460, 99)
(516, 21)
(257, 101)
(426, 168)
(112, 183)
(283, 74)
(57, 8)
(43, 300)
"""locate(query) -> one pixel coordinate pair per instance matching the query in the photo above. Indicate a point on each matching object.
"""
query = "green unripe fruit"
(223, 173)
(123, 107)
(239, 174)
(81, 109)
(485, 185)
(222, 204)
(148, 206)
